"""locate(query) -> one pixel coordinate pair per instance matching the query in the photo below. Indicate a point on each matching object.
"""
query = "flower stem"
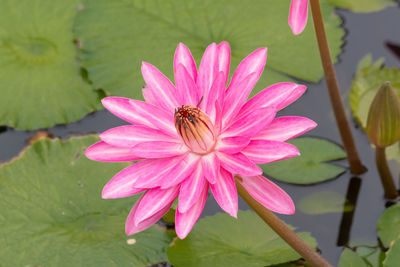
(333, 88)
(384, 173)
(282, 229)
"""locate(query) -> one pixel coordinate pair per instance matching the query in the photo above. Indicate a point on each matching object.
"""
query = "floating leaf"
(221, 240)
(324, 202)
(393, 255)
(363, 6)
(311, 166)
(373, 256)
(40, 81)
(52, 213)
(130, 32)
(389, 225)
(349, 258)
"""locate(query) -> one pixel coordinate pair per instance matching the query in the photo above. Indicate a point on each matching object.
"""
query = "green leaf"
(40, 81)
(52, 213)
(393, 255)
(363, 6)
(324, 202)
(349, 258)
(311, 166)
(389, 225)
(368, 79)
(130, 32)
(393, 151)
(221, 240)
(373, 256)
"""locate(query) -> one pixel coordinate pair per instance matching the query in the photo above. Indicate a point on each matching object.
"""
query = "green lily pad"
(324, 202)
(52, 213)
(130, 32)
(373, 256)
(40, 81)
(393, 255)
(349, 258)
(311, 166)
(363, 6)
(389, 225)
(221, 240)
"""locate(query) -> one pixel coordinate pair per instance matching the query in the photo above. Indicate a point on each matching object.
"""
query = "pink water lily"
(298, 15)
(196, 135)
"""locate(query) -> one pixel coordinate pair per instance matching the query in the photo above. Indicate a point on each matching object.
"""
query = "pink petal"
(268, 194)
(102, 151)
(159, 171)
(191, 189)
(141, 113)
(123, 183)
(252, 123)
(159, 149)
(154, 201)
(184, 222)
(217, 93)
(298, 15)
(279, 95)
(161, 88)
(184, 57)
(186, 87)
(237, 92)
(238, 164)
(224, 59)
(148, 96)
(131, 228)
(182, 170)
(262, 151)
(236, 97)
(232, 145)
(224, 191)
(210, 165)
(285, 128)
(207, 72)
(131, 135)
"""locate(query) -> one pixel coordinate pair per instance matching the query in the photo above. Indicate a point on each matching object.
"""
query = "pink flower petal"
(217, 93)
(131, 228)
(224, 59)
(191, 189)
(184, 57)
(184, 222)
(123, 183)
(238, 164)
(236, 97)
(182, 170)
(298, 15)
(238, 92)
(161, 88)
(251, 124)
(186, 87)
(154, 201)
(159, 149)
(102, 151)
(210, 165)
(279, 95)
(131, 135)
(141, 113)
(232, 145)
(148, 96)
(268, 194)
(285, 128)
(207, 72)
(224, 191)
(262, 151)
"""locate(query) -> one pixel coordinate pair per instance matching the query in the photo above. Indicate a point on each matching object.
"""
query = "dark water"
(377, 33)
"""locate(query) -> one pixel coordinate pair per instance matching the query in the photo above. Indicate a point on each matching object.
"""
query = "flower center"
(195, 128)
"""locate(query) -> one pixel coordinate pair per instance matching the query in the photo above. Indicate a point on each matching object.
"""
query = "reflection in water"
(347, 217)
(394, 48)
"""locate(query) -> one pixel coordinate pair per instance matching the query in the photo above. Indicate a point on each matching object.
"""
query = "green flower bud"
(383, 124)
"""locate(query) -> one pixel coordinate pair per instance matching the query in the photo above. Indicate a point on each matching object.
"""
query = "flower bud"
(383, 124)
